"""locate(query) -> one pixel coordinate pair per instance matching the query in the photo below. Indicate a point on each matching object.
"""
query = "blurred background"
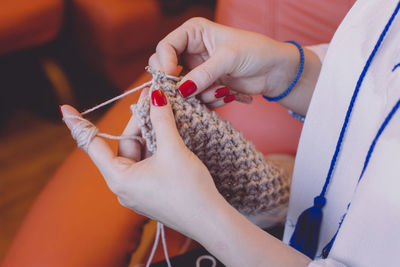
(79, 52)
(55, 208)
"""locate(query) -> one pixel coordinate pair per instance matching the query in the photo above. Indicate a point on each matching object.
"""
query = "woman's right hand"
(223, 61)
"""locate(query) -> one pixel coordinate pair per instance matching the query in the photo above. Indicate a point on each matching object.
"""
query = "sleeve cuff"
(325, 263)
(319, 50)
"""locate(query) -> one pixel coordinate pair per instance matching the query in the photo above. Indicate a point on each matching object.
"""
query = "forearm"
(237, 242)
(298, 100)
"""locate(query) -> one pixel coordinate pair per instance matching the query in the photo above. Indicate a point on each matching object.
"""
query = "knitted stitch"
(241, 174)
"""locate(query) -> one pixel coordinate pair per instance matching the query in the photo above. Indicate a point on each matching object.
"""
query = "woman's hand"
(172, 186)
(224, 61)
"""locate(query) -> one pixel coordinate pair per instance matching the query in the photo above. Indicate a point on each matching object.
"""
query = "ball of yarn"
(241, 174)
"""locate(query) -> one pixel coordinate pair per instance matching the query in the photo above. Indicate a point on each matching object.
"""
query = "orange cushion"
(118, 36)
(120, 27)
(76, 220)
(116, 27)
(26, 23)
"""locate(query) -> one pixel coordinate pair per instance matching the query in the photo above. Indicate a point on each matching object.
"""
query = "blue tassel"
(306, 234)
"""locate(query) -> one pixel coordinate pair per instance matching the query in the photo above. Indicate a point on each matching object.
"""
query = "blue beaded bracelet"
(297, 116)
(292, 85)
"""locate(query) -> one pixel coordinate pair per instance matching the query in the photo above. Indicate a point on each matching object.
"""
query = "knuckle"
(152, 59)
(203, 97)
(196, 21)
(161, 45)
(161, 118)
(206, 75)
(157, 116)
(121, 164)
(230, 52)
(232, 57)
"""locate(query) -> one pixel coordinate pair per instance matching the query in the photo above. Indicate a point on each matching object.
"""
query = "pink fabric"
(268, 125)
(306, 21)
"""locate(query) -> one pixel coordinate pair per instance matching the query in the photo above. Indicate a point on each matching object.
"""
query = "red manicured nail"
(187, 88)
(229, 98)
(62, 115)
(220, 92)
(158, 98)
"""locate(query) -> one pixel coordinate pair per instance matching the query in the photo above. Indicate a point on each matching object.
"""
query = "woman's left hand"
(172, 186)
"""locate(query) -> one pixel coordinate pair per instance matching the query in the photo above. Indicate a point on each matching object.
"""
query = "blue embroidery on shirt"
(396, 66)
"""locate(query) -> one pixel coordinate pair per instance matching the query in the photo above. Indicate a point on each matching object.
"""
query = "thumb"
(163, 121)
(204, 75)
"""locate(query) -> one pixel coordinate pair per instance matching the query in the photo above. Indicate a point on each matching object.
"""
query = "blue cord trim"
(306, 233)
(296, 79)
(296, 116)
(327, 248)
(396, 66)
(353, 99)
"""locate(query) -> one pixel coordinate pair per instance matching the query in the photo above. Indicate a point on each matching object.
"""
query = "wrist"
(218, 233)
(284, 71)
(211, 220)
(235, 241)
(229, 236)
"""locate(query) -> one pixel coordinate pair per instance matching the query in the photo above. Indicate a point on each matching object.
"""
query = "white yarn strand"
(153, 250)
(206, 257)
(164, 243)
(84, 131)
(160, 232)
(116, 98)
(157, 75)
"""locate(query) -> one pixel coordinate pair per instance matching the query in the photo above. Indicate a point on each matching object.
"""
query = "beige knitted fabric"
(241, 174)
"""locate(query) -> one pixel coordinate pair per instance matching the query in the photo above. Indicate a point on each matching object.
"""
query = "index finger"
(97, 148)
(175, 43)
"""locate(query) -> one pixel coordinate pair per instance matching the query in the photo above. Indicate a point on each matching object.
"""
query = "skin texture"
(178, 190)
(248, 63)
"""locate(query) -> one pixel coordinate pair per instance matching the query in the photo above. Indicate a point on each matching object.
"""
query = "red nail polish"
(220, 92)
(62, 115)
(187, 88)
(158, 98)
(229, 98)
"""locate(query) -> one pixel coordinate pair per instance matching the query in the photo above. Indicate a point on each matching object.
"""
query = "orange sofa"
(26, 23)
(76, 221)
(117, 36)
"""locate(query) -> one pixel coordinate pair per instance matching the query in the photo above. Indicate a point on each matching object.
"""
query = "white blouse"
(370, 234)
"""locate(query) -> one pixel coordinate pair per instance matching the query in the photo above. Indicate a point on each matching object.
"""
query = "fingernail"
(220, 92)
(187, 88)
(158, 98)
(62, 115)
(229, 98)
